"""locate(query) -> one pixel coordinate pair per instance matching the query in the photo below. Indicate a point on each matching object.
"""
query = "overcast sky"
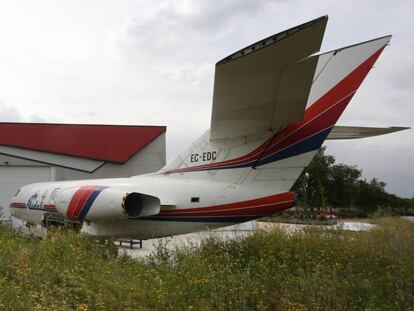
(134, 62)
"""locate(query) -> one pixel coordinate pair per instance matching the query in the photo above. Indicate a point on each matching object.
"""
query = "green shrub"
(316, 269)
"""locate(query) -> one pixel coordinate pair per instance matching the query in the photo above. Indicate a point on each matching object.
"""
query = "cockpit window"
(17, 193)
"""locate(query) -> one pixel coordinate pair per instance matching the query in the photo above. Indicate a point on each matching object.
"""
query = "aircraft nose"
(16, 201)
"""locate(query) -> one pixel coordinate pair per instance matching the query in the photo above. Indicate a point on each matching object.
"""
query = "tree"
(342, 185)
(311, 185)
(324, 184)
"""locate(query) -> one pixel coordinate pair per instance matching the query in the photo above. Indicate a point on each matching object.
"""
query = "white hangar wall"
(12, 177)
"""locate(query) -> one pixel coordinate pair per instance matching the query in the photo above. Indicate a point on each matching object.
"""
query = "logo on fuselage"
(36, 201)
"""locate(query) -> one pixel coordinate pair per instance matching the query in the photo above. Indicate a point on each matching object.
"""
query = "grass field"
(314, 270)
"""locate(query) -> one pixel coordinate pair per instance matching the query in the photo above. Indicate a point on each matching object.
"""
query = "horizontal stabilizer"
(265, 86)
(353, 132)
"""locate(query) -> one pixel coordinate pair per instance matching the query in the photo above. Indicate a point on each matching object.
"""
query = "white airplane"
(274, 104)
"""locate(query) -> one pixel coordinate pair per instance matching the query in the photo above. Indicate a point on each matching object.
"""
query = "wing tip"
(274, 38)
(386, 42)
(358, 132)
(400, 128)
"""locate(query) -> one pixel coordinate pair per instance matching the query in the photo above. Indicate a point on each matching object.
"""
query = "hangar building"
(36, 152)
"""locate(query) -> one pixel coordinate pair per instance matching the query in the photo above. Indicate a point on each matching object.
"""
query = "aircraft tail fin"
(275, 159)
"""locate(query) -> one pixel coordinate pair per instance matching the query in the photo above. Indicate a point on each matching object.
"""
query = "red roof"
(113, 143)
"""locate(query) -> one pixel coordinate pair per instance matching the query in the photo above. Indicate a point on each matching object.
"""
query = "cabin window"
(195, 199)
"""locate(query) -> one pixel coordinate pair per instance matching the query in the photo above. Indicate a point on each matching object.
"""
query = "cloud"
(35, 118)
(184, 29)
(9, 113)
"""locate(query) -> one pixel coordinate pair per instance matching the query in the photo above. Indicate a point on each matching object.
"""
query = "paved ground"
(179, 240)
(230, 233)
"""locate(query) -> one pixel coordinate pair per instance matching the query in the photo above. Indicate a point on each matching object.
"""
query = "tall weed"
(315, 269)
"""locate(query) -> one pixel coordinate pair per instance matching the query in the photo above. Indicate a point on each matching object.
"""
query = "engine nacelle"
(104, 203)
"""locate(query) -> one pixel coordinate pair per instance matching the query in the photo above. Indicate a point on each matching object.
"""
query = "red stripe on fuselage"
(74, 202)
(17, 205)
(326, 120)
(326, 111)
(46, 207)
(85, 196)
(49, 207)
(78, 200)
(266, 205)
(240, 211)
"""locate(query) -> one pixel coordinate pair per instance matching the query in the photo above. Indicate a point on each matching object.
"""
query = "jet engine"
(104, 203)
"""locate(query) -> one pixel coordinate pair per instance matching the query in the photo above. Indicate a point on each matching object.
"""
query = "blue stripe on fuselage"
(90, 201)
(309, 144)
